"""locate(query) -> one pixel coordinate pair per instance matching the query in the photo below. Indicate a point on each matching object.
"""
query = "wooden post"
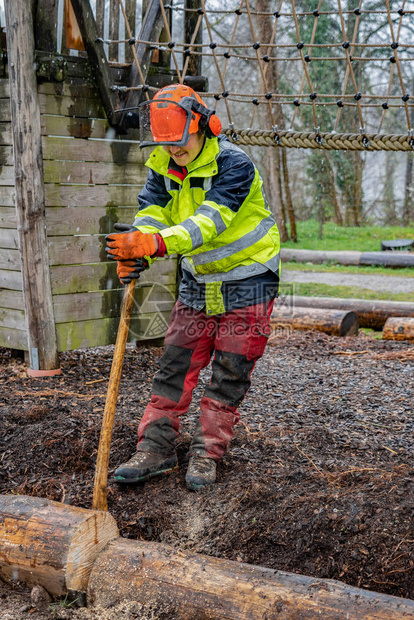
(113, 52)
(150, 31)
(130, 10)
(99, 17)
(30, 197)
(46, 25)
(161, 58)
(73, 37)
(96, 56)
(190, 22)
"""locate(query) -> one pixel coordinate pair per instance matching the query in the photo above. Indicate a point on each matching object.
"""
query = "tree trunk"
(182, 585)
(275, 163)
(357, 193)
(272, 183)
(337, 215)
(349, 210)
(408, 214)
(321, 216)
(389, 201)
(408, 197)
(291, 212)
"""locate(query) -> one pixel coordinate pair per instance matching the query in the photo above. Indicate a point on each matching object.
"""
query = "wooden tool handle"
(101, 473)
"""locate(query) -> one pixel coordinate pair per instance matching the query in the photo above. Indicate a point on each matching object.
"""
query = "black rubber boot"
(200, 473)
(143, 466)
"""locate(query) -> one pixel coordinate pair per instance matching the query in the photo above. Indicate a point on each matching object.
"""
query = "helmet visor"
(162, 121)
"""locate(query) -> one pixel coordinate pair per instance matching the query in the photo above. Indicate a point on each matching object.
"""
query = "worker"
(203, 200)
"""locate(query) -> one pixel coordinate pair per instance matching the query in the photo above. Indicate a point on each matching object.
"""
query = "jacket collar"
(159, 160)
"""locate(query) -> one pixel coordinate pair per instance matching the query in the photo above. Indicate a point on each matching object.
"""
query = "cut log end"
(349, 324)
(399, 328)
(370, 313)
(91, 536)
(51, 544)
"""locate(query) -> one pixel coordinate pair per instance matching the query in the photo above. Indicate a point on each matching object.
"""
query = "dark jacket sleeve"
(154, 205)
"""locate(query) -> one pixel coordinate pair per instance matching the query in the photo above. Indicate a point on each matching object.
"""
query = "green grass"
(363, 239)
(65, 603)
(359, 239)
(407, 272)
(371, 333)
(312, 289)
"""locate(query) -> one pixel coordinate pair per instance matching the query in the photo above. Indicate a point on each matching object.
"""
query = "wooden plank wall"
(12, 317)
(91, 181)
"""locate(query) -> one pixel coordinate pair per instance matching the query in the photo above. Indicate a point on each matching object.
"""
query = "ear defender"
(209, 123)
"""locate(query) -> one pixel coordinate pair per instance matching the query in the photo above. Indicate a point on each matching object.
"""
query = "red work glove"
(128, 270)
(130, 245)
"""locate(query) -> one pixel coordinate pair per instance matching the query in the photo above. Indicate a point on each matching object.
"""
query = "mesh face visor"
(162, 121)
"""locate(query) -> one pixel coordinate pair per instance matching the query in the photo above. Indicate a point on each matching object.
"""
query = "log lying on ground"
(387, 259)
(401, 328)
(318, 257)
(184, 586)
(55, 545)
(370, 313)
(51, 544)
(383, 259)
(332, 322)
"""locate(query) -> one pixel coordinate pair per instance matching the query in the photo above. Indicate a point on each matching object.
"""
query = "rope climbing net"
(284, 74)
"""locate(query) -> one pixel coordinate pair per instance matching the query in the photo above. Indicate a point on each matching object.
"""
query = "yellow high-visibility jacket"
(216, 217)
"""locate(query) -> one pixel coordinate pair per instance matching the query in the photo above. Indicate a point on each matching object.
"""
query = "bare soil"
(318, 479)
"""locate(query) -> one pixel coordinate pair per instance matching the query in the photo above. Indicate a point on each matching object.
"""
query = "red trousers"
(237, 339)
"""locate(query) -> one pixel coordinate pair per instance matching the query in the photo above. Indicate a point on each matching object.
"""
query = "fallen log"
(401, 328)
(55, 545)
(370, 313)
(387, 259)
(51, 544)
(332, 322)
(183, 585)
(317, 257)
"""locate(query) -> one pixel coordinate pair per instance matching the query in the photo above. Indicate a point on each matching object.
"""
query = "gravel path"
(393, 284)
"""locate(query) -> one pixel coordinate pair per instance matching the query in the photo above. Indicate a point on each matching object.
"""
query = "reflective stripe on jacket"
(216, 217)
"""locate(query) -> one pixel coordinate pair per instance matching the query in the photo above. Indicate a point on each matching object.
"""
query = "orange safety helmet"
(175, 112)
